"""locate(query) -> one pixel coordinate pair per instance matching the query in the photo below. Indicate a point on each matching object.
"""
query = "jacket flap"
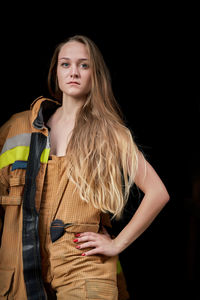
(18, 180)
(5, 282)
(11, 200)
(82, 227)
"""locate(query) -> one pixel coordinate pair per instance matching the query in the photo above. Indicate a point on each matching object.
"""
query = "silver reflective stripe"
(23, 139)
(48, 142)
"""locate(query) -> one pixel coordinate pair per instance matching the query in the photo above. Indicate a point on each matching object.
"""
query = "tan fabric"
(89, 289)
(11, 264)
(62, 263)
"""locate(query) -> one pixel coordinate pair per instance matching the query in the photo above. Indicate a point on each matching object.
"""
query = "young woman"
(66, 167)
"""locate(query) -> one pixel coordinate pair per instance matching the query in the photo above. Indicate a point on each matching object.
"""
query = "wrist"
(117, 246)
(120, 243)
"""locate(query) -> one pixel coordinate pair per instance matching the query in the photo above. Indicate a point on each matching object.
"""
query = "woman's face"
(73, 70)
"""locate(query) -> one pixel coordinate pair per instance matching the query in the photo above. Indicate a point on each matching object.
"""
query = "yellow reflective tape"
(20, 153)
(45, 155)
(119, 268)
(10, 156)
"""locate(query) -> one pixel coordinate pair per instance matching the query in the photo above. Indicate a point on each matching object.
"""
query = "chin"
(75, 95)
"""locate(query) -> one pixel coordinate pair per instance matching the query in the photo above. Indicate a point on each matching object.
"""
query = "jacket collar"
(41, 110)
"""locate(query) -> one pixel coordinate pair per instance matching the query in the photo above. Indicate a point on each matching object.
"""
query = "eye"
(65, 65)
(84, 66)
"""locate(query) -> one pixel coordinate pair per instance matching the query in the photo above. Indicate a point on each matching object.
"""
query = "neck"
(70, 106)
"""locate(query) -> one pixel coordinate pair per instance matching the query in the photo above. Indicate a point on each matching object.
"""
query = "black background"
(152, 53)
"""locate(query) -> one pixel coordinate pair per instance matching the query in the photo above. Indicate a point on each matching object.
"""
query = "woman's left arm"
(155, 198)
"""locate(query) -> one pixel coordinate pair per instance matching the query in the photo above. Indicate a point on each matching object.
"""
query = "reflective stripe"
(10, 156)
(23, 139)
(119, 268)
(45, 156)
(12, 153)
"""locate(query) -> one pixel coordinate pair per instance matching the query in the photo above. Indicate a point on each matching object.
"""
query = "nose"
(74, 72)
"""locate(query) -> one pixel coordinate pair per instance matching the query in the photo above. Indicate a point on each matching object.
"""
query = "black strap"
(30, 235)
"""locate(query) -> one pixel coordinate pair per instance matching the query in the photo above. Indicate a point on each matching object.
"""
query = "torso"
(60, 134)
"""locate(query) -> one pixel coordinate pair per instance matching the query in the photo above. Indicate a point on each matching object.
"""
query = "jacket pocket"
(6, 278)
(78, 228)
(58, 232)
(10, 200)
(16, 190)
(101, 289)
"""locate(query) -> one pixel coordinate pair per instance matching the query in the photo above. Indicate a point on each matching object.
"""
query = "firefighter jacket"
(24, 153)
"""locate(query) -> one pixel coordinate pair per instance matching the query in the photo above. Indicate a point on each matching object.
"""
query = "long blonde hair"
(101, 149)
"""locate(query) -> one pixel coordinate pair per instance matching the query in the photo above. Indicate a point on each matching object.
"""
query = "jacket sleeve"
(4, 181)
(3, 192)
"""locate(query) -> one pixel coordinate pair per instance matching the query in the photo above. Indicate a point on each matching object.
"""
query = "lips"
(74, 82)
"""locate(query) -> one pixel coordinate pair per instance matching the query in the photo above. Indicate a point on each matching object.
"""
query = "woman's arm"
(155, 198)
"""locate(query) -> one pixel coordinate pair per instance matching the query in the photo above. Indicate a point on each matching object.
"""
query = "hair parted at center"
(101, 150)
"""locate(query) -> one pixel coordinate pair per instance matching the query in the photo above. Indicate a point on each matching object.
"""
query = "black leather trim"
(30, 235)
(46, 110)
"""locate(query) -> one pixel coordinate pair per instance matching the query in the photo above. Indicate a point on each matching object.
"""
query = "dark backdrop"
(153, 57)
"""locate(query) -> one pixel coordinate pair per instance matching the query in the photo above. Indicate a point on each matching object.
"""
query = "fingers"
(86, 236)
(101, 243)
(86, 245)
(88, 240)
(91, 252)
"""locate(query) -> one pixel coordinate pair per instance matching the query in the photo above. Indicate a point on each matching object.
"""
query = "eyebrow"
(67, 58)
